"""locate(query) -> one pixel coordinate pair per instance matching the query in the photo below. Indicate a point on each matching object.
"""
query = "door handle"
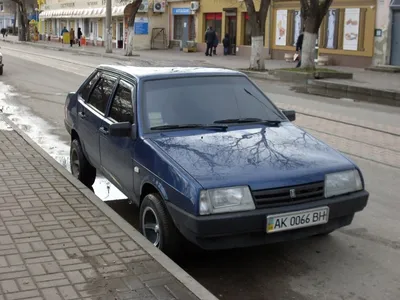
(82, 115)
(103, 130)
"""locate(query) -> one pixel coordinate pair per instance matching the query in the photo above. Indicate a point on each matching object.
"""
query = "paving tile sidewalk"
(59, 241)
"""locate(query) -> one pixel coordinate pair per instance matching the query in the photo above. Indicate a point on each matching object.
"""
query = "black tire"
(80, 167)
(169, 237)
(1, 71)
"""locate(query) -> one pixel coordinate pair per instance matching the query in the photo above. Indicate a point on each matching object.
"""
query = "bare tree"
(23, 7)
(132, 7)
(313, 12)
(257, 22)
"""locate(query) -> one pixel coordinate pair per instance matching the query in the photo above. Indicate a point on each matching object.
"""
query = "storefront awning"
(81, 13)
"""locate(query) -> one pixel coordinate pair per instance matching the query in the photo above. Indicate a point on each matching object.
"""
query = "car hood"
(261, 157)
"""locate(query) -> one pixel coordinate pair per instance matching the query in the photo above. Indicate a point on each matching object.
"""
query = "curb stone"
(66, 49)
(188, 281)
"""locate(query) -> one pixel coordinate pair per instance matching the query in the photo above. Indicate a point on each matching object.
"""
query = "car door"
(90, 115)
(117, 153)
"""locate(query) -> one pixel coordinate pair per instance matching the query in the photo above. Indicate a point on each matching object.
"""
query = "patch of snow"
(39, 131)
(5, 126)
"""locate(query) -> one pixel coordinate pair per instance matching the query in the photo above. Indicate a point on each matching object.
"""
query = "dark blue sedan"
(208, 157)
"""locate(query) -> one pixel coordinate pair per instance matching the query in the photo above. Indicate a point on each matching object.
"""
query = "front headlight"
(225, 200)
(342, 183)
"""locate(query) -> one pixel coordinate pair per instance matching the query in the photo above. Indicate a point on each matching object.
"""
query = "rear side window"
(102, 92)
(121, 107)
(85, 91)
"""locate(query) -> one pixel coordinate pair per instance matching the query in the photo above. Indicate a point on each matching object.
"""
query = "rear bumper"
(245, 229)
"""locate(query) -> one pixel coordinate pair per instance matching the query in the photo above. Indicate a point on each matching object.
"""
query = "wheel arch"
(152, 188)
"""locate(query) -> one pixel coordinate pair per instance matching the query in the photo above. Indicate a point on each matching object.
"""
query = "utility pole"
(108, 27)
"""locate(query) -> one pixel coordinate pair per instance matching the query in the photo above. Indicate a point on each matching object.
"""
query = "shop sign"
(281, 27)
(83, 4)
(351, 28)
(141, 25)
(67, 5)
(181, 11)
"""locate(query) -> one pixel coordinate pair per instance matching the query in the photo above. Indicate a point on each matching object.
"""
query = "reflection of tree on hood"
(252, 148)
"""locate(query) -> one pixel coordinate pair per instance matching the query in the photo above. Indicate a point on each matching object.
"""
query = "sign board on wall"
(141, 25)
(181, 11)
(281, 27)
(351, 28)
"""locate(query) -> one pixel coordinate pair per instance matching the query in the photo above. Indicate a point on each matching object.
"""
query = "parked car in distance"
(206, 155)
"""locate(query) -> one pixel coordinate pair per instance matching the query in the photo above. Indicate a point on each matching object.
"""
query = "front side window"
(121, 107)
(102, 92)
(85, 91)
(204, 100)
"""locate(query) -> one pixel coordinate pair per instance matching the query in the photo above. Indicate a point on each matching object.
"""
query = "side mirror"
(290, 114)
(122, 129)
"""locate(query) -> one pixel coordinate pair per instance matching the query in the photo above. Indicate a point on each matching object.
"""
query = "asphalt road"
(359, 262)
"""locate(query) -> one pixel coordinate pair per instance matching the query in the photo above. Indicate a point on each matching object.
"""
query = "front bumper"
(244, 229)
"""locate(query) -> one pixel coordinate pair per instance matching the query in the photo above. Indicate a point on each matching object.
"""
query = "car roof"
(167, 72)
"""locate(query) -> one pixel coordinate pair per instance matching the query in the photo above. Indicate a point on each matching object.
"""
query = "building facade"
(90, 16)
(6, 14)
(387, 33)
(346, 35)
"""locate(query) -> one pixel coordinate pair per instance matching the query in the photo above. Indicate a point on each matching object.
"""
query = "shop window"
(178, 27)
(297, 27)
(332, 29)
(215, 21)
(247, 30)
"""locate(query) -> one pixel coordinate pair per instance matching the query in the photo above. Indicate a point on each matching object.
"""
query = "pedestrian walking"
(65, 30)
(226, 43)
(216, 42)
(79, 36)
(299, 46)
(4, 32)
(209, 37)
(71, 36)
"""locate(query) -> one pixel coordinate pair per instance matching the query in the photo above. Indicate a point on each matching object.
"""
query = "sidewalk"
(59, 241)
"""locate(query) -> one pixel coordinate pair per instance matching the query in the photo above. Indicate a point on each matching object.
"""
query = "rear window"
(203, 100)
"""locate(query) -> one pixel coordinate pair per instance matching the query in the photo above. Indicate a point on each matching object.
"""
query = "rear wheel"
(80, 167)
(157, 226)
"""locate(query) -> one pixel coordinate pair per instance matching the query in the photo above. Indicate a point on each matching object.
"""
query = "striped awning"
(99, 12)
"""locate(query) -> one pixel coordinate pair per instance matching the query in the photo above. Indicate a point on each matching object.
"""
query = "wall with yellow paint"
(366, 29)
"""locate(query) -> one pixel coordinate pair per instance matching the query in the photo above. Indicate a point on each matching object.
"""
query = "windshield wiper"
(181, 126)
(248, 120)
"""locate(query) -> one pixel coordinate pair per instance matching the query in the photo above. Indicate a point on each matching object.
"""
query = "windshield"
(204, 100)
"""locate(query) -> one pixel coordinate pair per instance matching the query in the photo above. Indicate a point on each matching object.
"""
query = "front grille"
(282, 196)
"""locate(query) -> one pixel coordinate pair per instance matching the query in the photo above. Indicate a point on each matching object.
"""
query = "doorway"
(231, 29)
(395, 51)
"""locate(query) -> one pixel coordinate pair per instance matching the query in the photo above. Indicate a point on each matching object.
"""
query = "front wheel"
(80, 167)
(157, 226)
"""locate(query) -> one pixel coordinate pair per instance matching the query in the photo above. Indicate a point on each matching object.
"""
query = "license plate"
(297, 219)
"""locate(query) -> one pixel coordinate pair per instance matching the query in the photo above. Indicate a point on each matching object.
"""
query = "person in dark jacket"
(210, 38)
(299, 46)
(79, 36)
(226, 43)
(215, 45)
